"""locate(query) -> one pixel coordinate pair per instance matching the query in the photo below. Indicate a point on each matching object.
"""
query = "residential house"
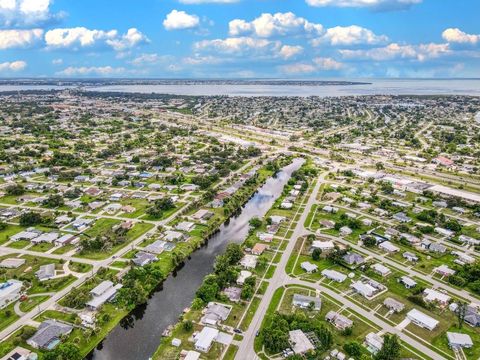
(215, 313)
(249, 262)
(334, 275)
(48, 334)
(9, 292)
(259, 248)
(373, 342)
(45, 272)
(458, 341)
(388, 247)
(408, 282)
(144, 258)
(305, 302)
(299, 342)
(381, 269)
(309, 267)
(422, 320)
(102, 293)
(341, 322)
(394, 305)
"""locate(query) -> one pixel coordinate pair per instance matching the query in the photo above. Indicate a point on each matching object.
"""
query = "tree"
(30, 218)
(369, 241)
(255, 222)
(53, 201)
(65, 351)
(15, 190)
(316, 254)
(379, 166)
(188, 325)
(354, 349)
(390, 349)
(462, 308)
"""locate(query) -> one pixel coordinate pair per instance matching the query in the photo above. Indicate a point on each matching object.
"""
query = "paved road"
(280, 278)
(27, 317)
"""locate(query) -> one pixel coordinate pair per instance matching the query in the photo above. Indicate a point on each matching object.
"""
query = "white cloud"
(202, 60)
(178, 20)
(393, 51)
(279, 24)
(13, 66)
(455, 35)
(208, 1)
(81, 37)
(298, 68)
(15, 13)
(327, 64)
(349, 35)
(132, 38)
(289, 51)
(379, 4)
(150, 59)
(19, 38)
(318, 64)
(239, 45)
(93, 70)
(57, 61)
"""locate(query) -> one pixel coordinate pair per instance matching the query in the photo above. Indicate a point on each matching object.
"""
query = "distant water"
(377, 87)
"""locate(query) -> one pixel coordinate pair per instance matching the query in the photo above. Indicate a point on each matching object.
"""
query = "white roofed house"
(305, 302)
(422, 320)
(394, 305)
(46, 238)
(457, 340)
(408, 282)
(205, 338)
(334, 275)
(341, 322)
(373, 342)
(323, 245)
(244, 275)
(102, 293)
(185, 226)
(381, 269)
(215, 313)
(10, 291)
(308, 267)
(249, 261)
(171, 235)
(45, 272)
(432, 295)
(299, 342)
(444, 270)
(388, 247)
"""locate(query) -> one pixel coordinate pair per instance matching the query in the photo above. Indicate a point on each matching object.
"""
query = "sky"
(300, 39)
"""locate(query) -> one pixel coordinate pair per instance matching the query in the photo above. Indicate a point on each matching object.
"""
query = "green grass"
(7, 316)
(252, 309)
(20, 244)
(31, 302)
(9, 231)
(42, 247)
(231, 352)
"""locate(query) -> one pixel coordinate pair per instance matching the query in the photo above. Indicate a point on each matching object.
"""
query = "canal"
(138, 335)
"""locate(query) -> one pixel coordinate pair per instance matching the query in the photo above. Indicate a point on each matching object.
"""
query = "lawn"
(9, 231)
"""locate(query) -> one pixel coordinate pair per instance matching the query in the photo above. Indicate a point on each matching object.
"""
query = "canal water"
(138, 335)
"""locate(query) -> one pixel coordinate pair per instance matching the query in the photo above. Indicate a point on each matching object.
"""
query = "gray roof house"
(472, 317)
(339, 321)
(215, 313)
(46, 272)
(458, 340)
(48, 334)
(143, 258)
(353, 259)
(304, 302)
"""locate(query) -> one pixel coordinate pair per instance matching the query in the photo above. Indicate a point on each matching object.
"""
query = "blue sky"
(240, 38)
